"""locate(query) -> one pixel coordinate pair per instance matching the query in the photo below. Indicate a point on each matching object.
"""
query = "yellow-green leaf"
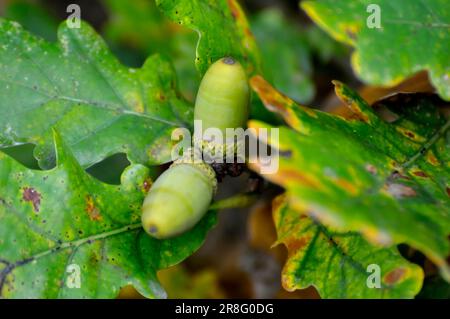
(340, 265)
(412, 36)
(388, 181)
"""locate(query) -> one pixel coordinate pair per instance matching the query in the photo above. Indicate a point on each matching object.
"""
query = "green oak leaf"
(138, 27)
(55, 222)
(139, 24)
(286, 54)
(413, 36)
(340, 265)
(389, 181)
(77, 86)
(287, 51)
(323, 46)
(222, 28)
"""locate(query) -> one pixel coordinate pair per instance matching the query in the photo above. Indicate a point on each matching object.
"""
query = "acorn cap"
(191, 156)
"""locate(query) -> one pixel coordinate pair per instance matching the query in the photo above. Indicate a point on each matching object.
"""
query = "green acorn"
(222, 101)
(178, 199)
(181, 196)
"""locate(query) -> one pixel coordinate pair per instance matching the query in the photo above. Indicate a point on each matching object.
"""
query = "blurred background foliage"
(238, 259)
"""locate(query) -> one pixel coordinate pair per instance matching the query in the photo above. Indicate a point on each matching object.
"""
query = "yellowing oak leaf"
(388, 181)
(340, 265)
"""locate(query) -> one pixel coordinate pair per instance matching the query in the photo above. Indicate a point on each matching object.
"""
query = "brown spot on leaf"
(147, 184)
(400, 190)
(371, 169)
(351, 33)
(31, 195)
(235, 11)
(295, 244)
(347, 186)
(161, 96)
(410, 134)
(94, 259)
(248, 33)
(431, 158)
(92, 210)
(448, 191)
(394, 276)
(135, 101)
(397, 175)
(358, 114)
(420, 173)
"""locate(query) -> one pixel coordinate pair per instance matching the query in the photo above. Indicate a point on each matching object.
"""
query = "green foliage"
(285, 54)
(413, 36)
(388, 181)
(77, 86)
(355, 187)
(322, 45)
(222, 28)
(56, 218)
(287, 50)
(337, 263)
(126, 17)
(139, 27)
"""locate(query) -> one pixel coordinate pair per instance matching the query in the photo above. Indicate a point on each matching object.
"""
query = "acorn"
(179, 198)
(222, 102)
